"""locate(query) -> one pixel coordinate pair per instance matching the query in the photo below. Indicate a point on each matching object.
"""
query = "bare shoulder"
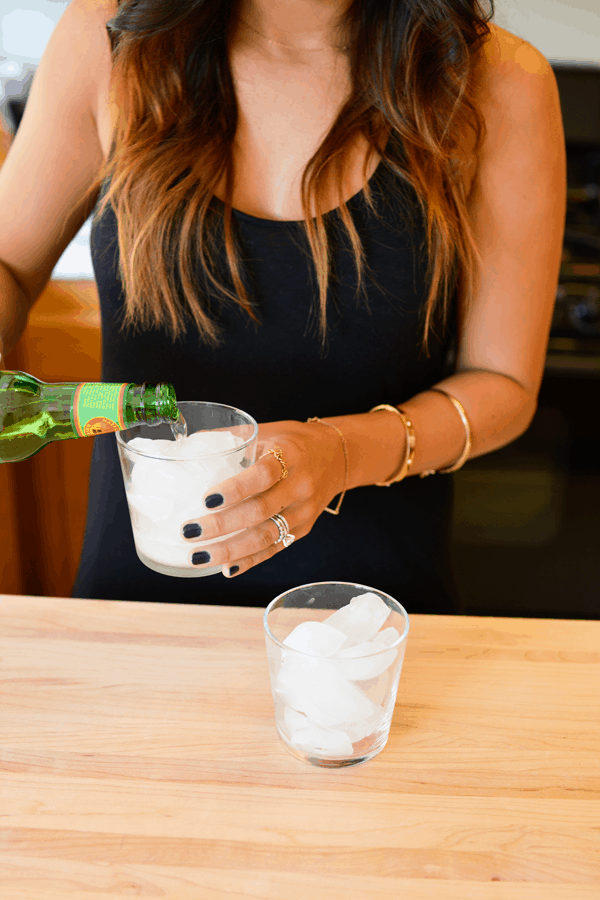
(513, 69)
(506, 47)
(94, 15)
(512, 78)
(101, 10)
(517, 95)
(55, 156)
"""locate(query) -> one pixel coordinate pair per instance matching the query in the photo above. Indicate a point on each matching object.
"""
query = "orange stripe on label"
(76, 417)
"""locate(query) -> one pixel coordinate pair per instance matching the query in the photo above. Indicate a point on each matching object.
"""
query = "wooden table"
(139, 758)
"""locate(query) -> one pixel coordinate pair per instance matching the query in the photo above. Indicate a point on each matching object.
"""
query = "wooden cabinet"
(45, 497)
(11, 563)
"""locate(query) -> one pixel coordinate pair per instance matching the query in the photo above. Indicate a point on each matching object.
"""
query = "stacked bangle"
(402, 472)
(409, 454)
(468, 437)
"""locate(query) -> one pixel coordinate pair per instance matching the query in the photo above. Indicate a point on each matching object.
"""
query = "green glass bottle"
(33, 413)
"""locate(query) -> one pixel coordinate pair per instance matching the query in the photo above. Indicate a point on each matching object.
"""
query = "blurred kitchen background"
(527, 521)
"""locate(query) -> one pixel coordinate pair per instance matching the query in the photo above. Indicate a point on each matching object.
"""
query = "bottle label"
(98, 408)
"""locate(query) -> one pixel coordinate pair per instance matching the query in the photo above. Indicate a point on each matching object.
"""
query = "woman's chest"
(283, 116)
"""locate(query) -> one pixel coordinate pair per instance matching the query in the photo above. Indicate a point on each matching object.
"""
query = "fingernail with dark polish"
(191, 531)
(201, 557)
(214, 500)
(234, 569)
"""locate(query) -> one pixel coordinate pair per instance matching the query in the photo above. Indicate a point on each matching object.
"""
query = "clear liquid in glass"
(179, 428)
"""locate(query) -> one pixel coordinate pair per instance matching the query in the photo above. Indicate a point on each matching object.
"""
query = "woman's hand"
(314, 458)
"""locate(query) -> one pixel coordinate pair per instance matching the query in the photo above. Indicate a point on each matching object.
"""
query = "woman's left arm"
(517, 206)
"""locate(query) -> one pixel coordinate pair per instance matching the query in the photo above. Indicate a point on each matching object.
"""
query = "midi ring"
(278, 454)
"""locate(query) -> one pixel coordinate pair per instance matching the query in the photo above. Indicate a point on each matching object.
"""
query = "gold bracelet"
(468, 437)
(336, 511)
(402, 472)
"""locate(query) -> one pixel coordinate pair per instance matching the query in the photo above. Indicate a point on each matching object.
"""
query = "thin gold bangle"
(468, 437)
(409, 455)
(336, 511)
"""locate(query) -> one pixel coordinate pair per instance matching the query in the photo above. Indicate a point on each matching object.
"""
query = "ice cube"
(199, 444)
(360, 619)
(377, 689)
(356, 664)
(176, 479)
(293, 720)
(358, 729)
(159, 479)
(315, 638)
(387, 637)
(203, 443)
(141, 474)
(194, 445)
(209, 472)
(317, 689)
(154, 508)
(203, 474)
(228, 468)
(161, 551)
(323, 742)
(352, 663)
(186, 488)
(156, 447)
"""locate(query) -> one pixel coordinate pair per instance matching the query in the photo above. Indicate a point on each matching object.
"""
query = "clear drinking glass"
(334, 687)
(165, 491)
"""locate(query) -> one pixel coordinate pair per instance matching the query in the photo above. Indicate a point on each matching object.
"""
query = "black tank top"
(395, 539)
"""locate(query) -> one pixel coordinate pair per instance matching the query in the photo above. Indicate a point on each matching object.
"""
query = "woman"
(238, 150)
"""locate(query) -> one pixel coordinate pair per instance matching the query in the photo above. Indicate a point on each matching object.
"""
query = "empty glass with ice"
(335, 653)
(166, 479)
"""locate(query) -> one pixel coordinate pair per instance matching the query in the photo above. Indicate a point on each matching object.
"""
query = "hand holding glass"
(165, 488)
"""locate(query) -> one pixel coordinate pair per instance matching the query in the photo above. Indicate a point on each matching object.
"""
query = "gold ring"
(277, 453)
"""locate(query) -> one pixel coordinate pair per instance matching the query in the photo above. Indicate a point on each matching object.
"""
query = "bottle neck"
(150, 403)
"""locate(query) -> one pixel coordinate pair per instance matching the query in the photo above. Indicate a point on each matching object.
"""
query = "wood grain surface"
(139, 758)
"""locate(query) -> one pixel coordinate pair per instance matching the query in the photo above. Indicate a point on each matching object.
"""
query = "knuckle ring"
(278, 454)
(284, 531)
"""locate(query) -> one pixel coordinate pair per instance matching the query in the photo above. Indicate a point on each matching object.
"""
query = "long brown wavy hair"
(414, 75)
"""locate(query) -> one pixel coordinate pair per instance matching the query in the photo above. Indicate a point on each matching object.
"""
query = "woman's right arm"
(52, 161)
(14, 306)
